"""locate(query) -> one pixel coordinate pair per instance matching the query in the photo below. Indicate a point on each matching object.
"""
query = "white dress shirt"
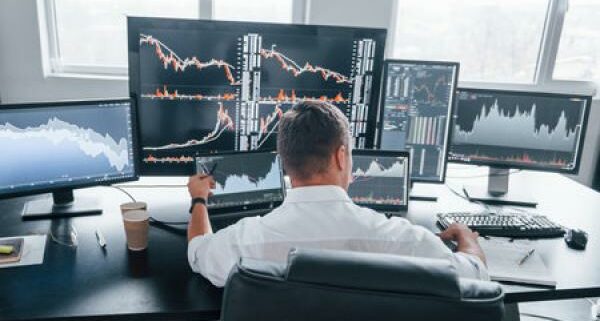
(319, 217)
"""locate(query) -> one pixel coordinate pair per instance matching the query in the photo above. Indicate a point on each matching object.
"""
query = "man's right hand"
(200, 185)
(465, 239)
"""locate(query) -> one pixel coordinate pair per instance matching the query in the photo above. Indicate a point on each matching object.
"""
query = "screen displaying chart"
(518, 129)
(243, 178)
(417, 106)
(49, 147)
(207, 86)
(379, 181)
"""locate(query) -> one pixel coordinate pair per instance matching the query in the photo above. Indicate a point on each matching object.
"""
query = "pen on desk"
(100, 238)
(466, 194)
(528, 255)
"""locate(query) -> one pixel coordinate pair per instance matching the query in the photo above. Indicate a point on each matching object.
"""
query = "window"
(254, 10)
(495, 41)
(579, 50)
(92, 37)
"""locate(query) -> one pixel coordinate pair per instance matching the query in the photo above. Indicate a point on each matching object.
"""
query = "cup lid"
(134, 206)
(136, 215)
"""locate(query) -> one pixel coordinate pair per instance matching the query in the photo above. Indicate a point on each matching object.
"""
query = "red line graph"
(165, 94)
(283, 97)
(268, 125)
(430, 92)
(224, 122)
(171, 60)
(169, 159)
(295, 69)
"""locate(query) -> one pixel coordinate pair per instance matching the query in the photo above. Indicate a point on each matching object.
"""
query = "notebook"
(15, 255)
(503, 259)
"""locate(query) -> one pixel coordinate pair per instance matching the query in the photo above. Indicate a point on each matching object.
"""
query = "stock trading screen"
(59, 146)
(379, 180)
(520, 130)
(207, 86)
(243, 178)
(417, 107)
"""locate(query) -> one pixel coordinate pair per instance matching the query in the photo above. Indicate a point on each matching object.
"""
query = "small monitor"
(380, 179)
(59, 146)
(417, 102)
(520, 130)
(244, 180)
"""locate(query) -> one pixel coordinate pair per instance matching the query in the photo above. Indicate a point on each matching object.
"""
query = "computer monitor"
(380, 180)
(59, 146)
(207, 86)
(417, 103)
(521, 130)
(244, 180)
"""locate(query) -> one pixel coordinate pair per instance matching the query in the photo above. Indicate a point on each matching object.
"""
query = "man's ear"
(341, 157)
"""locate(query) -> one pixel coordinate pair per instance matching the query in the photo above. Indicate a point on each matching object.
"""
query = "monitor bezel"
(506, 165)
(387, 153)
(82, 184)
(248, 207)
(453, 102)
(134, 24)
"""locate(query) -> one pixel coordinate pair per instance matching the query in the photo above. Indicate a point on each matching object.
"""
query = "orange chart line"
(295, 69)
(224, 122)
(171, 59)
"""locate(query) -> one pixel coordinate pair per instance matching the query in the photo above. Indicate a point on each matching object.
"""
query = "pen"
(466, 194)
(212, 170)
(528, 255)
(100, 238)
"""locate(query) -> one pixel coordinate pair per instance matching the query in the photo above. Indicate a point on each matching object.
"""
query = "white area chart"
(497, 129)
(245, 183)
(375, 169)
(57, 132)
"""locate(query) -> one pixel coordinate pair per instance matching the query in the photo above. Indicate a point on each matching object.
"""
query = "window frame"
(545, 63)
(52, 66)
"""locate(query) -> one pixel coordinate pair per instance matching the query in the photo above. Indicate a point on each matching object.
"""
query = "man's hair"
(308, 134)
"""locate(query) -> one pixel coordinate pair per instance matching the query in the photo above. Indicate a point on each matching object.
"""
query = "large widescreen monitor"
(206, 86)
(417, 102)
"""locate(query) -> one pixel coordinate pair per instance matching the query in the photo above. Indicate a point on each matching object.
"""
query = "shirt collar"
(320, 193)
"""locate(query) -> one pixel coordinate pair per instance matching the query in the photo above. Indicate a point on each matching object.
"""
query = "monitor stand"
(497, 192)
(62, 204)
(418, 192)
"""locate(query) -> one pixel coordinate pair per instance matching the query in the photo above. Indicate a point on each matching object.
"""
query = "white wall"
(22, 78)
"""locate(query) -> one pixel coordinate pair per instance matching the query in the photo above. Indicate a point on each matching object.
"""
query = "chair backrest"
(338, 285)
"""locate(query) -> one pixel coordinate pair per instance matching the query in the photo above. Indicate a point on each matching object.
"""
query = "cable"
(485, 206)
(125, 192)
(539, 316)
(152, 219)
(152, 186)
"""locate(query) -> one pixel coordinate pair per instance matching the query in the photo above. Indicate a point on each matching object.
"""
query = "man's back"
(317, 217)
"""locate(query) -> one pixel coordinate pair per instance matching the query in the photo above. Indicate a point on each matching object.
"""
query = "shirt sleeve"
(426, 244)
(214, 255)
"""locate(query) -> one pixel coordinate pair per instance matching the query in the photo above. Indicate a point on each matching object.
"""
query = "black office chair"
(338, 285)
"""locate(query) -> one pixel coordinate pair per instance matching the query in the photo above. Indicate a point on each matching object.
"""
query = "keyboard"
(504, 225)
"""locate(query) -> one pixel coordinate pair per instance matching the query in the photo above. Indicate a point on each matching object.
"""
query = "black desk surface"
(158, 284)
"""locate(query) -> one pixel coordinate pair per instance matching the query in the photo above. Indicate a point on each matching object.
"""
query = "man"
(314, 145)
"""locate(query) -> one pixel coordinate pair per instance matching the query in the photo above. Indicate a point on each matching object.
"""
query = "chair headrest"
(374, 271)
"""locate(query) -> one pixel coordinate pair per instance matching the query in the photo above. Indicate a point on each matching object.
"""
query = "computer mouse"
(576, 239)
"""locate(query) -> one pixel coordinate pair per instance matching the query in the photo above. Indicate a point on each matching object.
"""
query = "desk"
(87, 283)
